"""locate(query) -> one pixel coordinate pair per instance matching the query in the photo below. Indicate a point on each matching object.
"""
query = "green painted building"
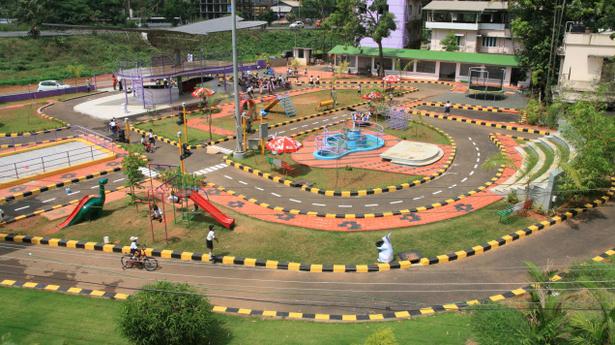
(430, 65)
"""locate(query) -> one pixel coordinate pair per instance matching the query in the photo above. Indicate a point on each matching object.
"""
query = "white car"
(48, 85)
(296, 25)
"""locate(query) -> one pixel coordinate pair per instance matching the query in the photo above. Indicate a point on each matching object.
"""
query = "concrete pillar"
(437, 73)
(507, 75)
(373, 66)
(457, 71)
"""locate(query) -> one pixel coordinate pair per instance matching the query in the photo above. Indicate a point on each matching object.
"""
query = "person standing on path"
(151, 138)
(211, 236)
(447, 107)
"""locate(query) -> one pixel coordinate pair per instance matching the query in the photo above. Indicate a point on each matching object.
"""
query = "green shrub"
(512, 197)
(168, 313)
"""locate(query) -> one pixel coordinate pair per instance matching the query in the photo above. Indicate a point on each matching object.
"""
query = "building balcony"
(492, 26)
(452, 26)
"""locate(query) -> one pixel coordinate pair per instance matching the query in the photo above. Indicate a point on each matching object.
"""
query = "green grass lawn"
(531, 159)
(40, 101)
(563, 151)
(549, 157)
(40, 317)
(252, 237)
(168, 128)
(25, 119)
(306, 104)
(418, 131)
(351, 179)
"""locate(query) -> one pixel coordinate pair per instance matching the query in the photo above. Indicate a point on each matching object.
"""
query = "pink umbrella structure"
(203, 92)
(391, 79)
(280, 145)
(372, 95)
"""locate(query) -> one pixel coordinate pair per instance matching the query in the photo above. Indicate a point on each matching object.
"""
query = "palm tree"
(546, 316)
(594, 329)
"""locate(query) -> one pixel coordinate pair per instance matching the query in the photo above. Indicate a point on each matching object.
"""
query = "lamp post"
(239, 150)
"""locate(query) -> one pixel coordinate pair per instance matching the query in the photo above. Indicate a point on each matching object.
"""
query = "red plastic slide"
(220, 217)
(75, 211)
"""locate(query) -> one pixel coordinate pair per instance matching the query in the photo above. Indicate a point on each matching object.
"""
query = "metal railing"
(51, 162)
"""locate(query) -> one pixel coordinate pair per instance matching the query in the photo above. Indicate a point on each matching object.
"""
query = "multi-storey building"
(481, 29)
(408, 21)
(211, 9)
(478, 26)
(587, 60)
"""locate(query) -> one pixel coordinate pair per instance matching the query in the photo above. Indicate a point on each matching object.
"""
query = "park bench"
(506, 215)
(326, 104)
(279, 164)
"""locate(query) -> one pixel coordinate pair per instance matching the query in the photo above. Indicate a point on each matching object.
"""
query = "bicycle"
(141, 262)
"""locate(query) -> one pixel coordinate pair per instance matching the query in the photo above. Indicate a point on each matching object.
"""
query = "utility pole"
(239, 151)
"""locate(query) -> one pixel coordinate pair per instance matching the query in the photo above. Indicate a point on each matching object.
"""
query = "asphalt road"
(477, 277)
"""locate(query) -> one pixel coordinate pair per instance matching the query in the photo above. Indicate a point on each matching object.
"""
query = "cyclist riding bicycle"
(135, 251)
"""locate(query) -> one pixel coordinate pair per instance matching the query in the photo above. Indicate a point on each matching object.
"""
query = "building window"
(300, 53)
(459, 41)
(406, 65)
(426, 67)
(489, 41)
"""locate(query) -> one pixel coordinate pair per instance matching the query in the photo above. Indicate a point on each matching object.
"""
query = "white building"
(587, 59)
(479, 26)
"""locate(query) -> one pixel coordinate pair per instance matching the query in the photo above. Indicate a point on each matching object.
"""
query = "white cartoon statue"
(385, 249)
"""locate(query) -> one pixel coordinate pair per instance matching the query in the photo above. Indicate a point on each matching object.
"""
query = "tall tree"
(378, 23)
(33, 13)
(317, 8)
(371, 19)
(344, 21)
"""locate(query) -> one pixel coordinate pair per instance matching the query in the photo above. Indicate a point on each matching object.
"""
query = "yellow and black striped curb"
(360, 215)
(384, 316)
(10, 146)
(305, 186)
(71, 290)
(441, 116)
(40, 211)
(389, 315)
(471, 107)
(39, 111)
(604, 256)
(368, 215)
(38, 190)
(318, 268)
(380, 82)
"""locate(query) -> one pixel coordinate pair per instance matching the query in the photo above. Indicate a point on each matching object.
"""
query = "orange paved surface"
(367, 160)
(456, 209)
(201, 124)
(509, 145)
